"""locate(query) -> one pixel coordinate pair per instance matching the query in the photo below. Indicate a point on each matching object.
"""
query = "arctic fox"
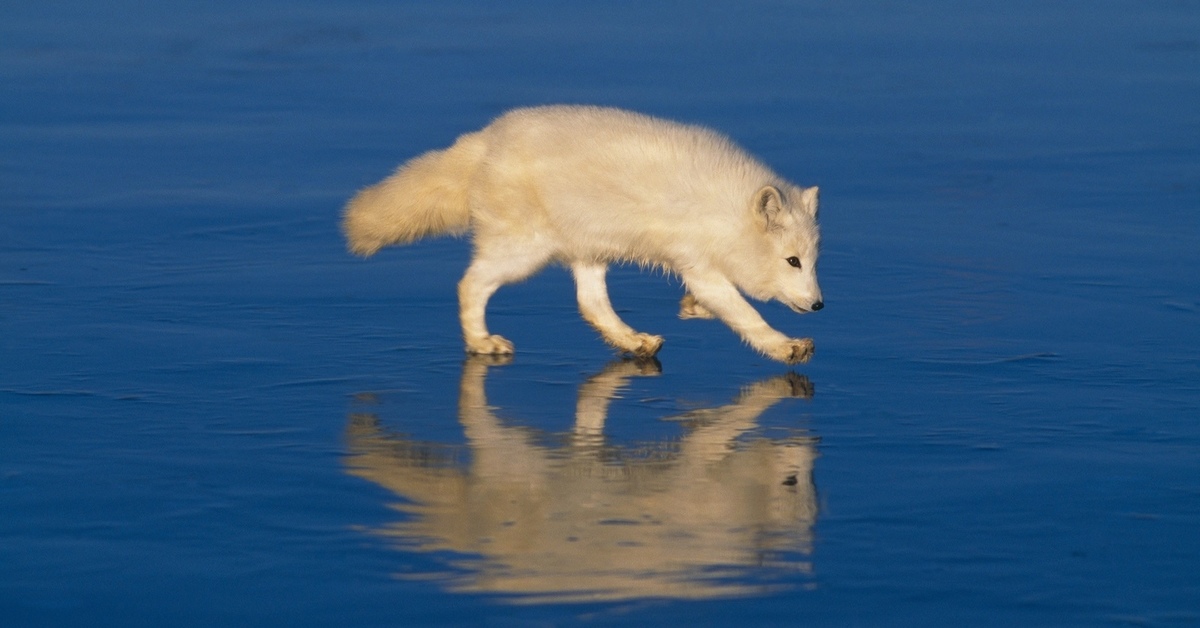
(589, 186)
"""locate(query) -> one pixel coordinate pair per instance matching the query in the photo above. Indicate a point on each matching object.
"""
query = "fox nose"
(818, 305)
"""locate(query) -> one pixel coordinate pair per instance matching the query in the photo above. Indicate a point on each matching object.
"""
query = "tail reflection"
(707, 515)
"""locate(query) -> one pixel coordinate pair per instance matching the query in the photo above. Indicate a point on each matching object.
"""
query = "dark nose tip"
(818, 305)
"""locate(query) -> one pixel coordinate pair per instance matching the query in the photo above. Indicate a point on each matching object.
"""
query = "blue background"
(1007, 374)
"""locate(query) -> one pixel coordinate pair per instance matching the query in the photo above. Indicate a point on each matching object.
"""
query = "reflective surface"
(703, 515)
(210, 414)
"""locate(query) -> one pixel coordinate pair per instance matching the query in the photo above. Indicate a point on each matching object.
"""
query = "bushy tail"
(426, 196)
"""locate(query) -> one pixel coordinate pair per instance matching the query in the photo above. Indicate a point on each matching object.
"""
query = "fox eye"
(794, 261)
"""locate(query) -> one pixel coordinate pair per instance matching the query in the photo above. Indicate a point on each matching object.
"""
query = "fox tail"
(426, 196)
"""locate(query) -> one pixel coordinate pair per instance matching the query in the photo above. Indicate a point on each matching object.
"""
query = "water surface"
(211, 414)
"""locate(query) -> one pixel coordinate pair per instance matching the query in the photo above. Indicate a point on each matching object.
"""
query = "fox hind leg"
(485, 275)
(597, 310)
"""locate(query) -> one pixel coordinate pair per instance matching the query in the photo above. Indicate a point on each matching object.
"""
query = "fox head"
(786, 264)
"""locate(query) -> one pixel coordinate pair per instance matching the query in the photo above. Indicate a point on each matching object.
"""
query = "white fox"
(589, 186)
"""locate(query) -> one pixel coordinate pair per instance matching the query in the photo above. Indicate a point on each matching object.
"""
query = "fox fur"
(589, 186)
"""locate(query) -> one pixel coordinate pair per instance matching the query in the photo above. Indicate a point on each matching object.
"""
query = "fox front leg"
(717, 295)
(689, 307)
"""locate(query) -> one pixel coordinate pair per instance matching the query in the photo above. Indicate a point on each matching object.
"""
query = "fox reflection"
(584, 520)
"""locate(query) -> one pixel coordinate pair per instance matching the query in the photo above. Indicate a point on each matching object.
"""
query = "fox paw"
(689, 307)
(647, 345)
(792, 350)
(490, 345)
(638, 345)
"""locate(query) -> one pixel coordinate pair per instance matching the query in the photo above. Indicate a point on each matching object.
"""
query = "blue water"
(210, 414)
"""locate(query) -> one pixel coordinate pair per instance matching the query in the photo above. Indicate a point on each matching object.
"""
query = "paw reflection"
(718, 512)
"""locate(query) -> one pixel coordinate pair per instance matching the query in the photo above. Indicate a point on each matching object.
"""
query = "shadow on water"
(717, 512)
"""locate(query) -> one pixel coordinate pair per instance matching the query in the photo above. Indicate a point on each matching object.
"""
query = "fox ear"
(768, 203)
(808, 198)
